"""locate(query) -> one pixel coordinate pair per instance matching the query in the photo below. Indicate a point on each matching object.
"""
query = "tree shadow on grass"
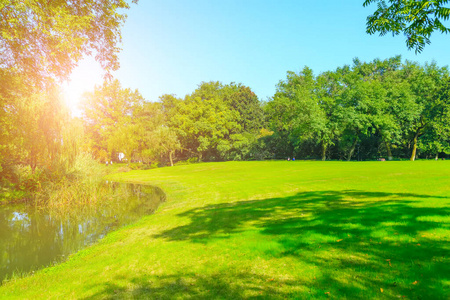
(196, 286)
(303, 211)
(362, 244)
(376, 239)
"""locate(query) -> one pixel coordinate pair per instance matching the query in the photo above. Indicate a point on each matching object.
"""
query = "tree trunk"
(414, 150)
(437, 156)
(33, 161)
(352, 149)
(388, 148)
(170, 158)
(324, 151)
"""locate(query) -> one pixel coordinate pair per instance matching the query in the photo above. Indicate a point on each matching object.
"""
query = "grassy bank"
(271, 230)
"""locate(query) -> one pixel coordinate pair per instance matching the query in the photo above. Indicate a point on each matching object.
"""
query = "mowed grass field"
(271, 230)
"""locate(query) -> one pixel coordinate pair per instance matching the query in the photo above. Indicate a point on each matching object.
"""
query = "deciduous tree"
(44, 40)
(108, 112)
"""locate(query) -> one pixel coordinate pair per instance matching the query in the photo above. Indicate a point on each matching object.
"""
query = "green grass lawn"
(356, 230)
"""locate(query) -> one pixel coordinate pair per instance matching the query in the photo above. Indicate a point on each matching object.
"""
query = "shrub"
(192, 160)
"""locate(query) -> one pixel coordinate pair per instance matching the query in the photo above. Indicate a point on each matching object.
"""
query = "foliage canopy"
(416, 19)
(44, 40)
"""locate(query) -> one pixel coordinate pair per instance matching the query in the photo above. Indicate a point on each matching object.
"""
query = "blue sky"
(169, 47)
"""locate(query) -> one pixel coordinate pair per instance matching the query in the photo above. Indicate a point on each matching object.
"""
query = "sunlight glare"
(84, 77)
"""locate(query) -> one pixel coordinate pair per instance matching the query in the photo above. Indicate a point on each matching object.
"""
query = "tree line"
(365, 111)
(369, 110)
(384, 108)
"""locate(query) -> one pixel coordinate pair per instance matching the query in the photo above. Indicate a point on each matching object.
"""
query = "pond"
(33, 237)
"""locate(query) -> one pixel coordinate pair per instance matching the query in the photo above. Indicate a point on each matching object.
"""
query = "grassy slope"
(273, 230)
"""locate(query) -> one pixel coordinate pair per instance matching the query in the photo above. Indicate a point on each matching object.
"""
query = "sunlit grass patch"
(273, 230)
(435, 218)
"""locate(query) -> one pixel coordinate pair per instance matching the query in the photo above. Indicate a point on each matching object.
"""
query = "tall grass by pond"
(62, 189)
(273, 230)
(79, 186)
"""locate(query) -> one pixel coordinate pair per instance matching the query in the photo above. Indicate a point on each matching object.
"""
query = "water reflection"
(32, 237)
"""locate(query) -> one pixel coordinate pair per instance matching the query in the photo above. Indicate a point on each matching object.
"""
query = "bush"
(124, 169)
(192, 160)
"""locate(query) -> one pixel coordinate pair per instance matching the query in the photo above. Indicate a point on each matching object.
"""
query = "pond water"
(32, 237)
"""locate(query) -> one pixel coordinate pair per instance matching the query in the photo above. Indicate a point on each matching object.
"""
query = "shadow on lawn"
(195, 286)
(360, 243)
(332, 208)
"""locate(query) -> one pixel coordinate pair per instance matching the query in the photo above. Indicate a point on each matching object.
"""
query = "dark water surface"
(32, 238)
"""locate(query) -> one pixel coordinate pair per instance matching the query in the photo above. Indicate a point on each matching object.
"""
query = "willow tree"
(41, 122)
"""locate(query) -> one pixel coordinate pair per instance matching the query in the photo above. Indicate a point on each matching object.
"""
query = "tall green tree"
(330, 89)
(296, 113)
(163, 141)
(124, 139)
(148, 118)
(108, 115)
(396, 109)
(364, 101)
(216, 121)
(243, 100)
(426, 85)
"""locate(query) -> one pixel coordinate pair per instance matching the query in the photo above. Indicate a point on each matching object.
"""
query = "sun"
(83, 79)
